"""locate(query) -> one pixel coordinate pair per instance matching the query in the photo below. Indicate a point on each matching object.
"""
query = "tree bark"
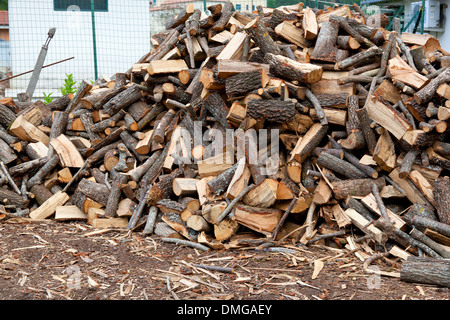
(426, 270)
(271, 110)
(441, 193)
(355, 187)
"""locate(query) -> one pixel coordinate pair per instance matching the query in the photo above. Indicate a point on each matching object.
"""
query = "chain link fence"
(101, 36)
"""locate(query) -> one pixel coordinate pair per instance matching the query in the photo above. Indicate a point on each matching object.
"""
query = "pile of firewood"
(361, 112)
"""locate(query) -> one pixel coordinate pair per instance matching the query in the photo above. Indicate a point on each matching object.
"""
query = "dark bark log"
(278, 16)
(443, 148)
(367, 131)
(122, 100)
(427, 271)
(227, 12)
(398, 235)
(9, 197)
(41, 193)
(86, 119)
(82, 90)
(319, 111)
(120, 80)
(96, 191)
(421, 210)
(163, 188)
(262, 38)
(100, 153)
(114, 195)
(355, 187)
(156, 109)
(60, 103)
(181, 17)
(354, 59)
(441, 193)
(113, 137)
(217, 107)
(419, 236)
(107, 123)
(243, 82)
(7, 154)
(271, 110)
(7, 117)
(28, 166)
(160, 128)
(340, 166)
(344, 24)
(407, 163)
(111, 94)
(424, 222)
(130, 142)
(286, 68)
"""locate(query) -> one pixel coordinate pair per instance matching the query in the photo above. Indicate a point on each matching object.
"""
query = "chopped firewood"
(290, 122)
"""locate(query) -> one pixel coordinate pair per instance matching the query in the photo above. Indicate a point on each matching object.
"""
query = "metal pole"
(422, 18)
(39, 63)
(94, 41)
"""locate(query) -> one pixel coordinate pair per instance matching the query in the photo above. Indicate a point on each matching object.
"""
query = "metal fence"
(101, 36)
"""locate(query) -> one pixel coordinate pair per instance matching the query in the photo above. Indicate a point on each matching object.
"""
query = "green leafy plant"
(47, 98)
(69, 85)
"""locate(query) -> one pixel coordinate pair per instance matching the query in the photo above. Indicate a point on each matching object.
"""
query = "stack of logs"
(362, 115)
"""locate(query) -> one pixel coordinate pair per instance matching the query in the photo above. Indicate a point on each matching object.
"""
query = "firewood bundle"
(361, 113)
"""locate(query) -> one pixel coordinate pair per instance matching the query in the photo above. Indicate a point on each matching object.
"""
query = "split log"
(263, 220)
(308, 142)
(48, 208)
(291, 33)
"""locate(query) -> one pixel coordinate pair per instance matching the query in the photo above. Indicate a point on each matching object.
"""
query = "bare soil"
(57, 261)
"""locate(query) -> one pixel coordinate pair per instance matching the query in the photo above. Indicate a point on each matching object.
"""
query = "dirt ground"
(62, 261)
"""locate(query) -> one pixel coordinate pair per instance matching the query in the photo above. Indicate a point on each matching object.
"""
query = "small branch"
(10, 180)
(186, 243)
(326, 236)
(233, 203)
(283, 218)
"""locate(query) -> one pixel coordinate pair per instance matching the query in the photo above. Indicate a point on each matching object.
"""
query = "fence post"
(94, 40)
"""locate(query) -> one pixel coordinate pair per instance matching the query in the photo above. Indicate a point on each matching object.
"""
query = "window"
(246, 7)
(84, 5)
(238, 7)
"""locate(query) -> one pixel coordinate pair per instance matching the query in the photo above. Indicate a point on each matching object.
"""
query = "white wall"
(443, 33)
(123, 36)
